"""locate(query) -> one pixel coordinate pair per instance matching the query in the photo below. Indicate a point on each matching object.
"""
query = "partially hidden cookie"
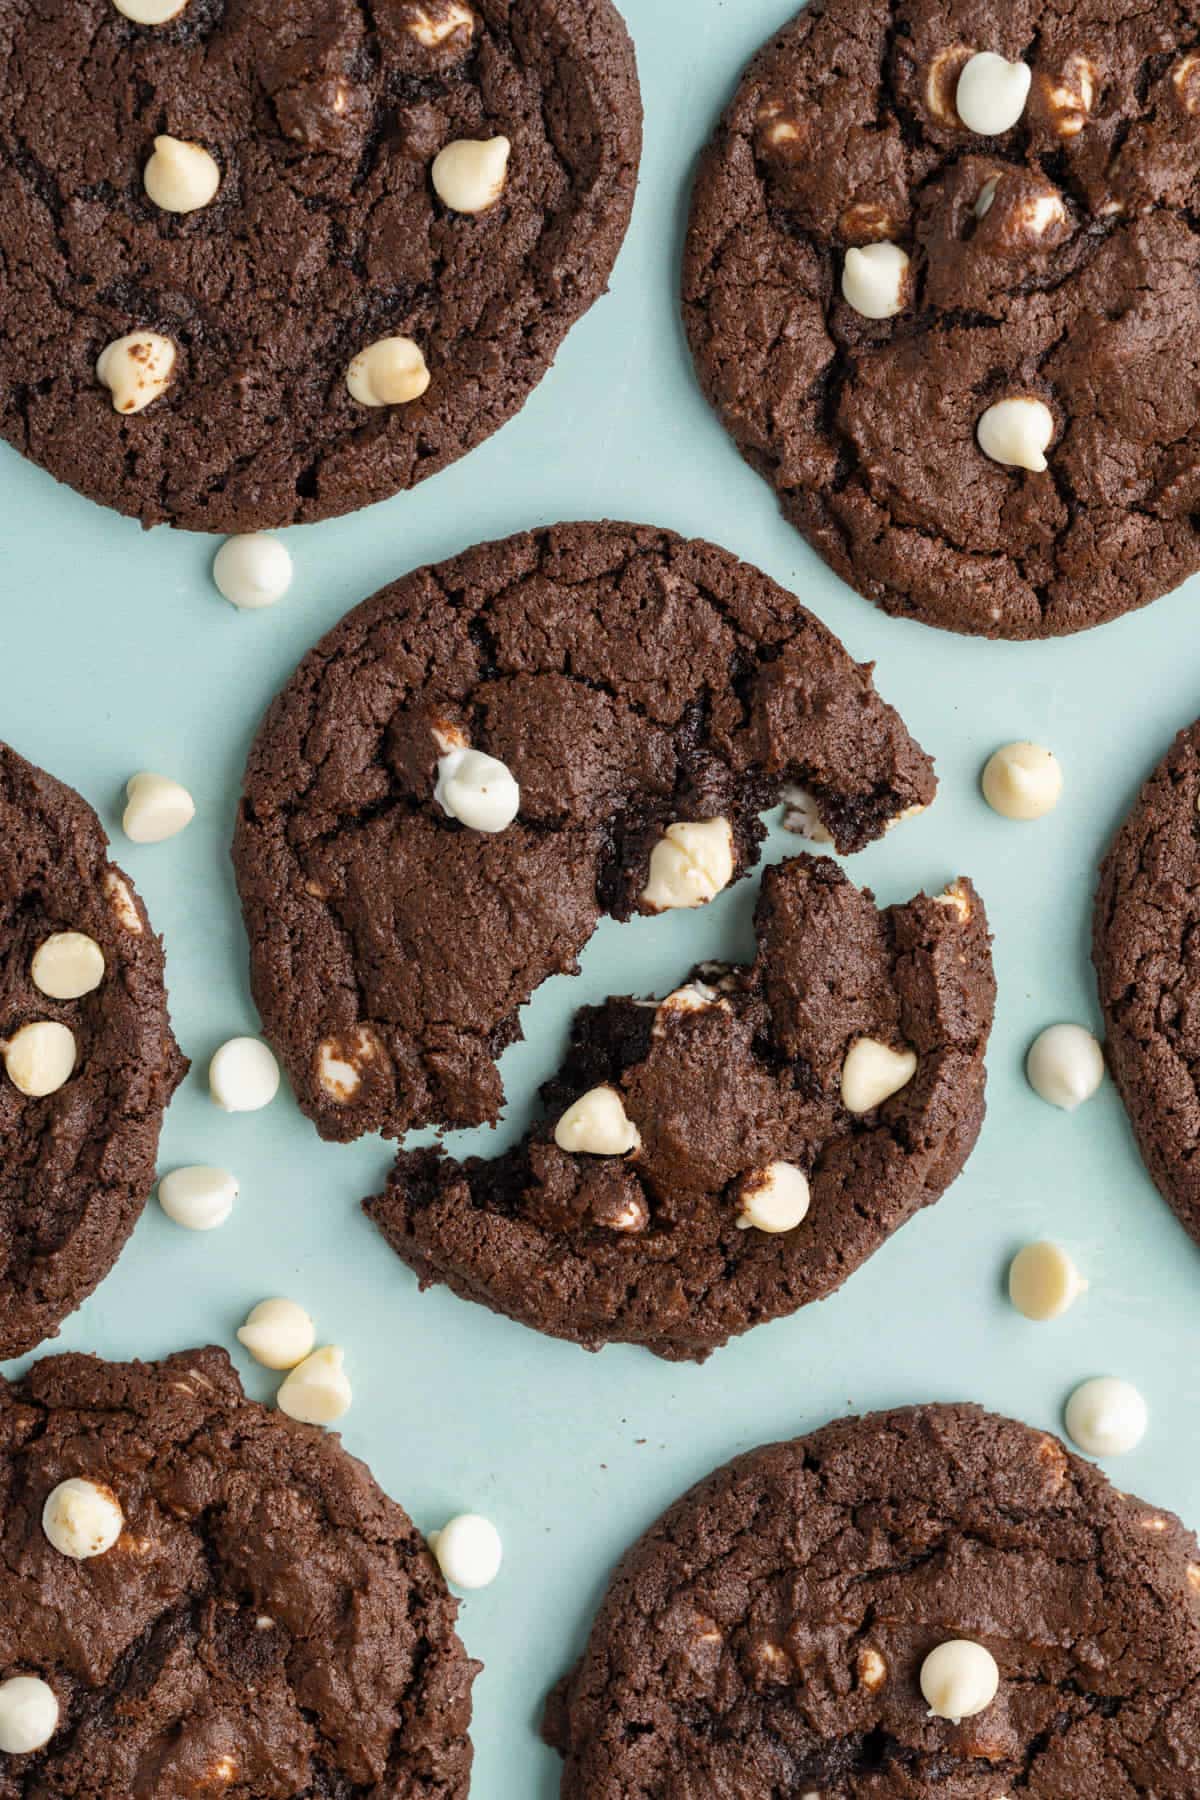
(769, 1635)
(942, 286)
(736, 1150)
(88, 1063)
(266, 263)
(487, 756)
(222, 1601)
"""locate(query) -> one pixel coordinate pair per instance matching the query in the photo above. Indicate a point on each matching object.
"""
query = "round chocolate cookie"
(942, 284)
(736, 1150)
(222, 1601)
(87, 1059)
(305, 253)
(770, 1634)
(488, 755)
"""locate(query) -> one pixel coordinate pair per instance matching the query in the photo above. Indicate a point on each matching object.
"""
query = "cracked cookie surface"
(77, 1162)
(268, 1624)
(1074, 281)
(767, 1635)
(325, 235)
(629, 680)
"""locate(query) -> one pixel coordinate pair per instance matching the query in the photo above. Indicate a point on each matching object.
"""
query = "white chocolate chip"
(872, 1670)
(801, 816)
(1069, 100)
(341, 1060)
(987, 195)
(1017, 433)
(1043, 1282)
(122, 902)
(40, 1058)
(243, 1076)
(1107, 1417)
(67, 965)
(157, 808)
(82, 1518)
(866, 221)
(597, 1125)
(959, 1679)
(150, 12)
(432, 26)
(1065, 1066)
(875, 280)
(198, 1197)
(253, 570)
(957, 900)
(478, 790)
(941, 79)
(991, 93)
(318, 1390)
(696, 996)
(28, 1714)
(468, 1551)
(136, 369)
(774, 1199)
(181, 177)
(1185, 79)
(391, 372)
(690, 865)
(469, 175)
(278, 1334)
(873, 1072)
(1022, 781)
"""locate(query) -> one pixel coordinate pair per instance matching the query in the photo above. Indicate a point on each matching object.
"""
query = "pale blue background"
(116, 654)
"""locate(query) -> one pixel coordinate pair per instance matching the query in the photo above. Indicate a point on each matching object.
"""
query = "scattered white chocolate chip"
(1043, 1282)
(341, 1060)
(866, 221)
(875, 280)
(696, 996)
(181, 177)
(156, 808)
(690, 864)
(469, 175)
(478, 790)
(150, 12)
(774, 1199)
(67, 965)
(597, 1125)
(991, 93)
(1107, 1417)
(82, 1518)
(1069, 100)
(956, 899)
(1185, 79)
(391, 372)
(959, 1679)
(122, 902)
(198, 1197)
(28, 1714)
(468, 1551)
(1016, 433)
(941, 79)
(136, 369)
(1065, 1066)
(253, 570)
(278, 1334)
(432, 27)
(243, 1076)
(987, 195)
(318, 1390)
(1022, 781)
(802, 816)
(872, 1670)
(40, 1057)
(873, 1072)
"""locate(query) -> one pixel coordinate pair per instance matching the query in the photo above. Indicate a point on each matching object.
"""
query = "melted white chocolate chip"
(136, 369)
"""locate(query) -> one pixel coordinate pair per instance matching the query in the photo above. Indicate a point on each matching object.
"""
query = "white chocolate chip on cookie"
(136, 369)
(959, 1679)
(390, 372)
(1017, 432)
(67, 965)
(690, 865)
(1068, 99)
(28, 1714)
(470, 174)
(40, 1058)
(992, 93)
(181, 177)
(341, 1061)
(875, 280)
(597, 1125)
(478, 790)
(318, 1389)
(151, 12)
(774, 1199)
(941, 82)
(436, 21)
(82, 1518)
(1185, 79)
(873, 1072)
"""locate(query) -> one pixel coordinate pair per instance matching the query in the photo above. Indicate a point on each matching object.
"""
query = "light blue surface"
(116, 654)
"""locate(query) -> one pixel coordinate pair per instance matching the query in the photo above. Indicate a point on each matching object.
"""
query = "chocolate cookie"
(485, 757)
(222, 1601)
(737, 1150)
(943, 287)
(268, 262)
(87, 1059)
(1146, 948)
(770, 1634)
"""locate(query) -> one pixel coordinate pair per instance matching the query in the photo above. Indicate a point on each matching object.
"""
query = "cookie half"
(641, 698)
(307, 255)
(266, 1623)
(767, 1636)
(917, 211)
(735, 1151)
(88, 1063)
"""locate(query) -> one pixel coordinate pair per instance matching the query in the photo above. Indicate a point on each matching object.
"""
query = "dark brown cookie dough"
(268, 1624)
(629, 680)
(725, 1082)
(1079, 287)
(767, 1635)
(325, 236)
(76, 1164)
